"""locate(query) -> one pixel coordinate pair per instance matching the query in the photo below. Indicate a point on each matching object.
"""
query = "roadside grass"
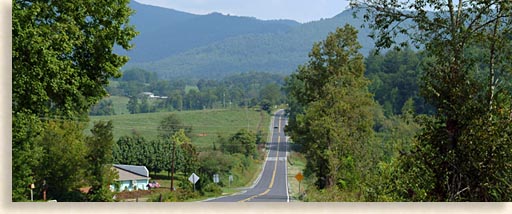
(206, 124)
(296, 164)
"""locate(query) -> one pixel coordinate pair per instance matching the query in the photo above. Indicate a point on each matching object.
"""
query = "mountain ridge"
(234, 44)
(165, 32)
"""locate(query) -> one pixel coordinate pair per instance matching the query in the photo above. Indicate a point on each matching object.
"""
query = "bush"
(212, 188)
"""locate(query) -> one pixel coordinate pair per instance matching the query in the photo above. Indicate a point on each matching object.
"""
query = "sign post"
(32, 186)
(193, 179)
(230, 180)
(299, 178)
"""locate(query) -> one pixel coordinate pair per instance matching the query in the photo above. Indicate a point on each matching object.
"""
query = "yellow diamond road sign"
(299, 176)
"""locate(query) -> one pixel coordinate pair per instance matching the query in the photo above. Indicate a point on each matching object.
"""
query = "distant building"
(131, 177)
(151, 95)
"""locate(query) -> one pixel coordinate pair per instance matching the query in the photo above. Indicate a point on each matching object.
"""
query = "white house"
(131, 178)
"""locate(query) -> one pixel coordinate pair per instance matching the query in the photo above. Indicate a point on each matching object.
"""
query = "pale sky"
(298, 10)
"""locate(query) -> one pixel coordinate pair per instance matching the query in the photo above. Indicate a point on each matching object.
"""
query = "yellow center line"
(273, 173)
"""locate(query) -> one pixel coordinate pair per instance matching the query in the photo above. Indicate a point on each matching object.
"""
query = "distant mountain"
(165, 32)
(215, 45)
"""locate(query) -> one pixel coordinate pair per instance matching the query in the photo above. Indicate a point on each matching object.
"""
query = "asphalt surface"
(272, 185)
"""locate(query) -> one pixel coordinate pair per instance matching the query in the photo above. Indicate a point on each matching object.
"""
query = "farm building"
(131, 178)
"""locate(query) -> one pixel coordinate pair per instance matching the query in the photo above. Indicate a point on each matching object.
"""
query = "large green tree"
(63, 166)
(332, 116)
(243, 142)
(456, 160)
(62, 57)
(99, 161)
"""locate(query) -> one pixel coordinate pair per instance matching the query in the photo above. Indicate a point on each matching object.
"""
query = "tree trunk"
(492, 57)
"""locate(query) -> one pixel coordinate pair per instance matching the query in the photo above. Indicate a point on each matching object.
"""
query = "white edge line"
(269, 139)
(286, 170)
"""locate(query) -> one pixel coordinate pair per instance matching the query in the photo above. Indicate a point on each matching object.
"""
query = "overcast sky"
(298, 10)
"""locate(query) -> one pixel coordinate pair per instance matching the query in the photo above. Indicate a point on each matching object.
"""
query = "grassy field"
(206, 124)
(119, 103)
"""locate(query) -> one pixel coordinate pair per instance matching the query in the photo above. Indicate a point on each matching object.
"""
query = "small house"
(131, 178)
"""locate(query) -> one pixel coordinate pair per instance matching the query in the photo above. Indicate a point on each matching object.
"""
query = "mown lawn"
(206, 124)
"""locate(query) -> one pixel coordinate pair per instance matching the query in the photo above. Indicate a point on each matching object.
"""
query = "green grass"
(119, 103)
(206, 124)
(296, 164)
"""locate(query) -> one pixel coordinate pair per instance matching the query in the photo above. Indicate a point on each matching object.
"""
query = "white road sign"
(193, 178)
(216, 178)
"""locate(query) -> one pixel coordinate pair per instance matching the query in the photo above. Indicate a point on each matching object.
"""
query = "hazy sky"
(298, 10)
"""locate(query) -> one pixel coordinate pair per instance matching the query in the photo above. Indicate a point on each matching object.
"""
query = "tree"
(99, 160)
(269, 95)
(133, 105)
(27, 154)
(243, 142)
(177, 139)
(158, 159)
(170, 125)
(62, 53)
(104, 107)
(332, 116)
(145, 107)
(64, 164)
(61, 60)
(132, 150)
(190, 158)
(448, 151)
(394, 79)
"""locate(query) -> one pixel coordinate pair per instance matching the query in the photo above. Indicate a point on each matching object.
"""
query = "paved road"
(272, 185)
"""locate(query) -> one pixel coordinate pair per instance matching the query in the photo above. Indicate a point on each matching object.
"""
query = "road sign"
(231, 178)
(193, 178)
(299, 177)
(215, 178)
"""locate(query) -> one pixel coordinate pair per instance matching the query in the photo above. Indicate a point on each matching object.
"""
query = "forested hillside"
(165, 32)
(216, 45)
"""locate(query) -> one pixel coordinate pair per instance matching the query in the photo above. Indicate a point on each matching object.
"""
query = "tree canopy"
(332, 117)
(467, 46)
(62, 58)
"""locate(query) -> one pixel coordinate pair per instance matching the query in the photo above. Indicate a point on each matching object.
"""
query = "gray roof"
(139, 170)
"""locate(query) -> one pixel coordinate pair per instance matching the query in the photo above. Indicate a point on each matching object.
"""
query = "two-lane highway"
(272, 185)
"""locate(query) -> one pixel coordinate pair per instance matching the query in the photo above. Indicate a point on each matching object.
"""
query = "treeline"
(395, 78)
(243, 90)
(433, 126)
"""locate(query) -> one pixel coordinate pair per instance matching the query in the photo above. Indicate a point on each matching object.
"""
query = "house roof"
(131, 172)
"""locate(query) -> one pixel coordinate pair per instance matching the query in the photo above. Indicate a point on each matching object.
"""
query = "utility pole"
(172, 164)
